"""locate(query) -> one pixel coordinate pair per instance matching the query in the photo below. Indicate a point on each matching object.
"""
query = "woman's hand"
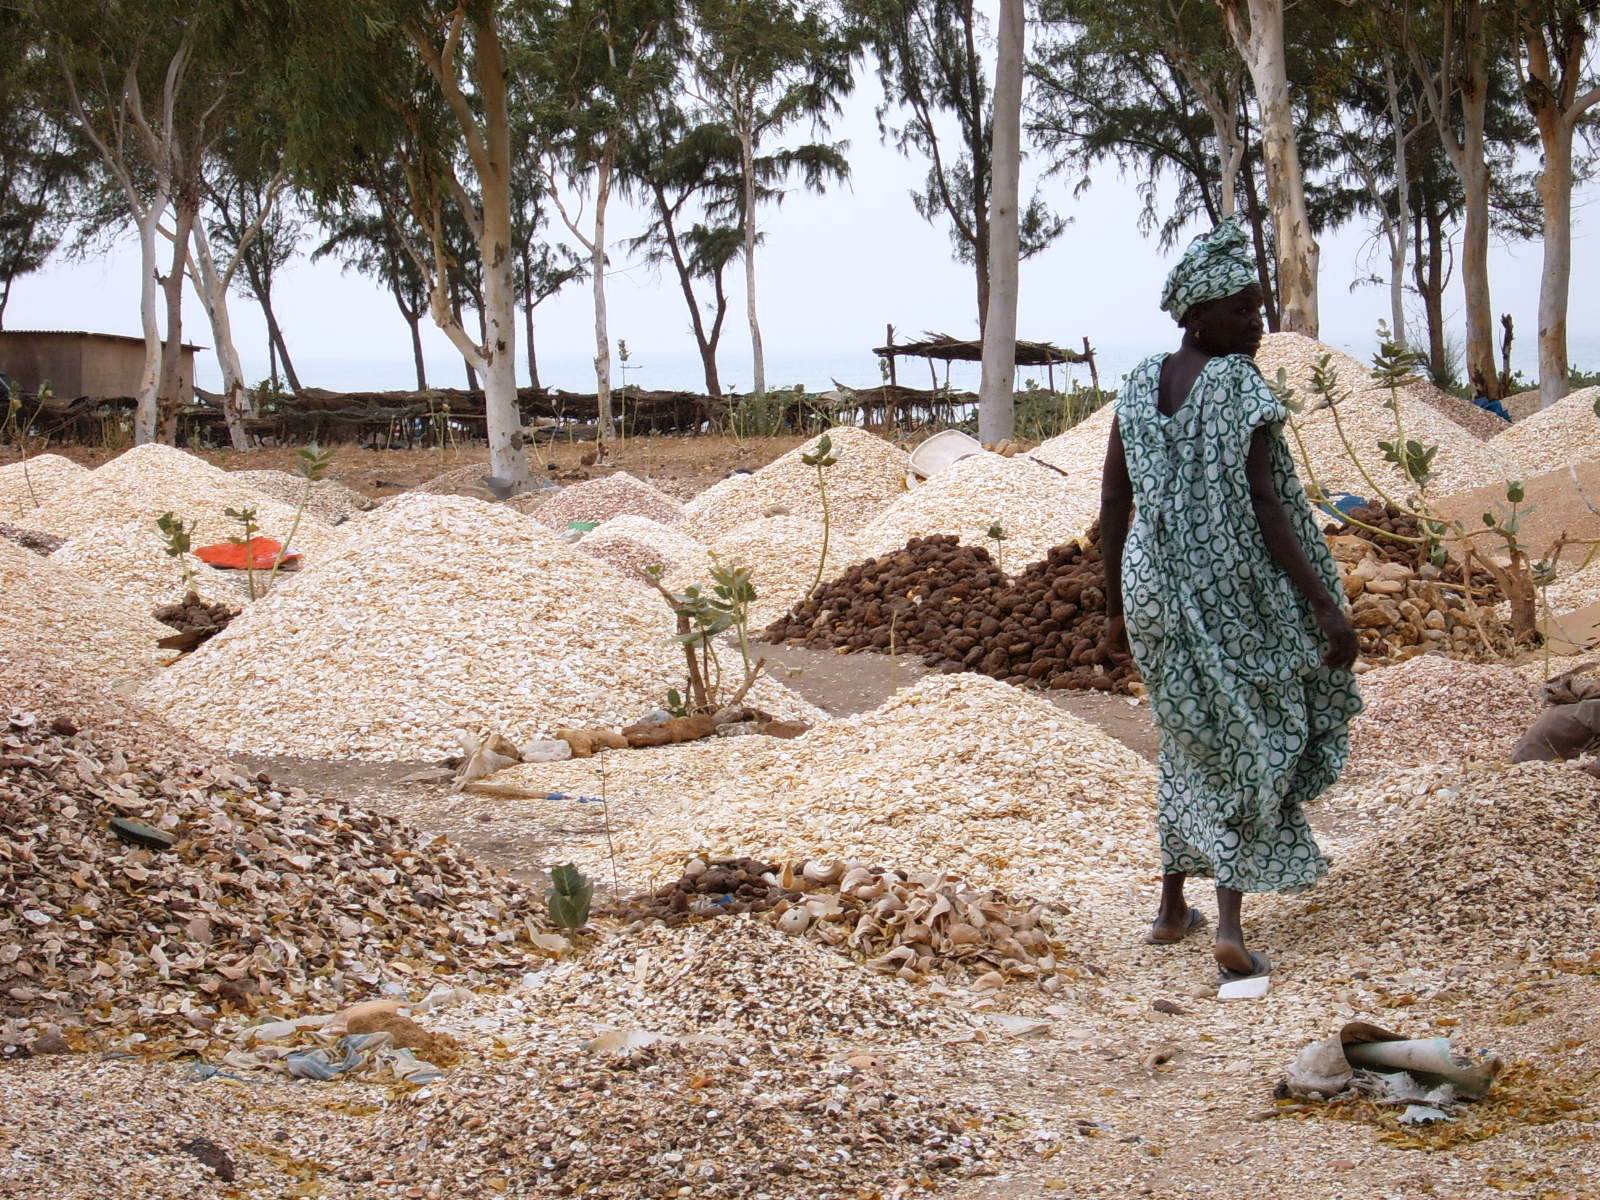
(1117, 638)
(1341, 635)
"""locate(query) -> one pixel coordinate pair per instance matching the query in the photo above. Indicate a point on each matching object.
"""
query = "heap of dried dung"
(446, 614)
(1469, 871)
(632, 543)
(330, 501)
(958, 773)
(950, 604)
(1396, 536)
(52, 611)
(196, 617)
(129, 559)
(1431, 709)
(31, 539)
(915, 927)
(1364, 419)
(869, 475)
(618, 495)
(1037, 507)
(142, 483)
(782, 554)
(149, 884)
(34, 483)
(1566, 432)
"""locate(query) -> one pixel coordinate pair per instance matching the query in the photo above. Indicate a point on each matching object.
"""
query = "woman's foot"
(1232, 957)
(1169, 928)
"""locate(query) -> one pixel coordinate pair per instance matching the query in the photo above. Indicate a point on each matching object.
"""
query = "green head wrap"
(1216, 264)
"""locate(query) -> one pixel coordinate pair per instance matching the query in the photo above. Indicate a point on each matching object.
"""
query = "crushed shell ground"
(725, 1058)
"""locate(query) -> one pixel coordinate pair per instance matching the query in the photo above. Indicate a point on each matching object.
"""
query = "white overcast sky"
(834, 269)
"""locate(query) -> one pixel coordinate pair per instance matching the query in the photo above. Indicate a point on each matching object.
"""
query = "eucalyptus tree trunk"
(597, 268)
(997, 392)
(747, 165)
(1473, 168)
(169, 392)
(146, 413)
(213, 291)
(1399, 227)
(1260, 43)
(1555, 277)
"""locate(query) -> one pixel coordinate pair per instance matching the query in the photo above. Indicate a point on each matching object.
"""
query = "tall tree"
(367, 235)
(425, 85)
(1256, 27)
(679, 170)
(42, 161)
(927, 60)
(1561, 90)
(1154, 87)
(997, 391)
(543, 268)
(1449, 55)
(250, 218)
(598, 70)
(762, 66)
(111, 58)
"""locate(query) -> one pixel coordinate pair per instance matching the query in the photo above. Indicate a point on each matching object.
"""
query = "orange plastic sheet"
(258, 555)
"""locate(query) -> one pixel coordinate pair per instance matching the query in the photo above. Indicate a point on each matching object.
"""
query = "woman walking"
(1230, 602)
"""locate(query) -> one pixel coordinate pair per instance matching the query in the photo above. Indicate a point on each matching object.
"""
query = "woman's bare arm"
(1288, 553)
(1116, 503)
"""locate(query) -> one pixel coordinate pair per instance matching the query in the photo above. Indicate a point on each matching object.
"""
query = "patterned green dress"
(1252, 724)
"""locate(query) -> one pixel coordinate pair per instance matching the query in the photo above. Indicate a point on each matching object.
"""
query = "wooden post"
(893, 382)
(1050, 374)
(1094, 371)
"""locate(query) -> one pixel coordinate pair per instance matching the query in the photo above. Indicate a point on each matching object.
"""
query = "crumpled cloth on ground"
(374, 1054)
(1425, 1074)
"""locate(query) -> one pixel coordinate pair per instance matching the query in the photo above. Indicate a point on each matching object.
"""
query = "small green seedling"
(569, 897)
(998, 536)
(312, 466)
(821, 458)
(177, 536)
(247, 520)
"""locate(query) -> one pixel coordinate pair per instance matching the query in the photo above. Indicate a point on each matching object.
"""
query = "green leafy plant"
(569, 897)
(177, 536)
(998, 535)
(821, 457)
(702, 617)
(675, 705)
(311, 464)
(246, 517)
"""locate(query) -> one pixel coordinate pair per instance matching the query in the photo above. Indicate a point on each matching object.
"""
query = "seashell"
(989, 981)
(796, 921)
(786, 877)
(821, 872)
(854, 878)
(695, 868)
(887, 905)
(964, 935)
(824, 907)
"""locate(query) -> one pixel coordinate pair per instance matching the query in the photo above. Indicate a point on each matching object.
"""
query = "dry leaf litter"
(958, 773)
(474, 617)
(632, 544)
(869, 475)
(330, 501)
(609, 496)
(149, 480)
(263, 902)
(33, 484)
(1463, 461)
(949, 604)
(1430, 709)
(1037, 507)
(52, 610)
(129, 559)
(1566, 432)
